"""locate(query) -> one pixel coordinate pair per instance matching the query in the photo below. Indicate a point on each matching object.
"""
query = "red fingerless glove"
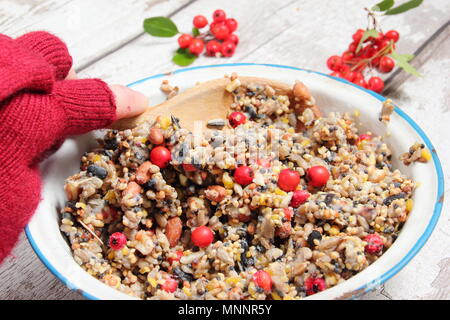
(38, 109)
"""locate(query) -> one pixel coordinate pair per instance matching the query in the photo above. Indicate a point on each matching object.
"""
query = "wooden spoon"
(206, 101)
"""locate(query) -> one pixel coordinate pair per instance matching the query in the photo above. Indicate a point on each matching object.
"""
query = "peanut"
(143, 173)
(173, 230)
(215, 193)
(132, 189)
(284, 230)
(156, 136)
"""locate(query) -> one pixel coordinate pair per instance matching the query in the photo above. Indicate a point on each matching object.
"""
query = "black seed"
(389, 199)
(67, 215)
(313, 236)
(111, 144)
(260, 248)
(71, 205)
(97, 171)
(149, 184)
(183, 275)
(251, 111)
(329, 198)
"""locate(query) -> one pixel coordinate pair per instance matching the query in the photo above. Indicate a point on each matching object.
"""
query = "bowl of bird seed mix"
(323, 191)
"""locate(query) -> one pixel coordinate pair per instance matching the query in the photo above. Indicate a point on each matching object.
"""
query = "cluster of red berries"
(220, 39)
(373, 54)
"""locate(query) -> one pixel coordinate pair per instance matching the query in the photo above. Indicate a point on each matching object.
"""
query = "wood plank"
(299, 33)
(423, 54)
(89, 28)
(24, 277)
(148, 55)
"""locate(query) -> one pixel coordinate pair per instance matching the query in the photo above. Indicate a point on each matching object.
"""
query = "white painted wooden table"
(106, 40)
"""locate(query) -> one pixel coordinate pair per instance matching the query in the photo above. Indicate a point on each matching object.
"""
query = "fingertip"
(129, 102)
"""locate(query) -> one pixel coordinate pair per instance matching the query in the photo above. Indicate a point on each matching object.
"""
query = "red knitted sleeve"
(21, 69)
(49, 47)
(37, 111)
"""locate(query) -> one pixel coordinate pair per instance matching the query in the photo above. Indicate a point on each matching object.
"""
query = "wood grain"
(107, 42)
(298, 33)
(90, 28)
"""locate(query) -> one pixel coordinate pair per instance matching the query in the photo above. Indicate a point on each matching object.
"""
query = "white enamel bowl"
(332, 95)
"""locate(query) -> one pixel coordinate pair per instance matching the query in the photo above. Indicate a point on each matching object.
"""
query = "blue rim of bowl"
(363, 289)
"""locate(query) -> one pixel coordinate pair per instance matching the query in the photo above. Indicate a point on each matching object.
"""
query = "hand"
(129, 102)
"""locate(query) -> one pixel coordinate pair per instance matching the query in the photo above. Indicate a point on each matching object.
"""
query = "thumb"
(129, 103)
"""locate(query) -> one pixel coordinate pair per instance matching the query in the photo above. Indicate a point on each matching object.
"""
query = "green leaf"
(404, 7)
(408, 57)
(160, 27)
(367, 34)
(195, 32)
(183, 58)
(403, 62)
(383, 5)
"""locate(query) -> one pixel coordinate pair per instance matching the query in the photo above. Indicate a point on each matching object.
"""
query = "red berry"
(392, 35)
(299, 197)
(231, 24)
(243, 175)
(220, 31)
(369, 51)
(170, 285)
(347, 56)
(353, 46)
(233, 38)
(357, 75)
(179, 254)
(334, 63)
(384, 43)
(375, 62)
(213, 47)
(376, 84)
(117, 241)
(374, 243)
(196, 46)
(213, 24)
(378, 39)
(350, 76)
(202, 236)
(337, 74)
(363, 137)
(288, 180)
(314, 285)
(219, 15)
(189, 167)
(263, 280)
(288, 213)
(358, 35)
(160, 156)
(386, 64)
(345, 68)
(200, 21)
(228, 48)
(360, 82)
(318, 176)
(236, 118)
(185, 40)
